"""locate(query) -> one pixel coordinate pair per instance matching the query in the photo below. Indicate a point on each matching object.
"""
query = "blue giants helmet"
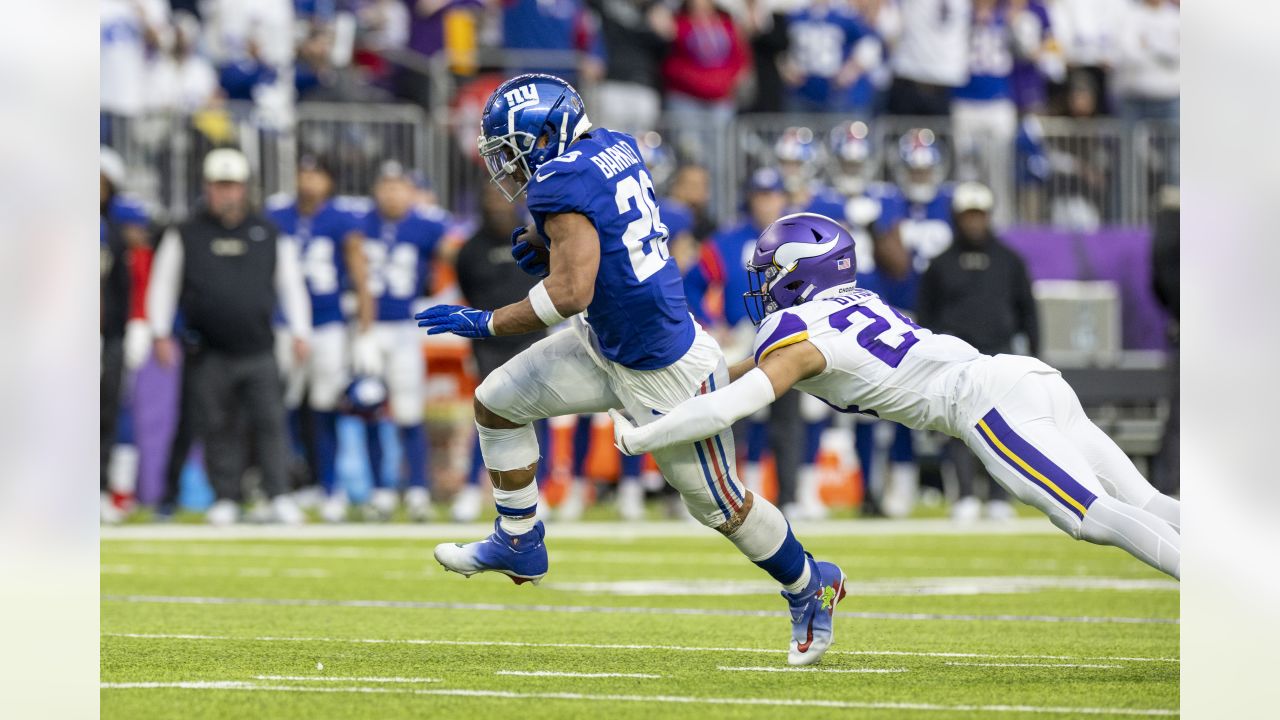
(798, 258)
(527, 121)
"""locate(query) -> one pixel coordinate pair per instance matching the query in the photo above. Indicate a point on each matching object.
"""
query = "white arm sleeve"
(705, 415)
(291, 289)
(165, 284)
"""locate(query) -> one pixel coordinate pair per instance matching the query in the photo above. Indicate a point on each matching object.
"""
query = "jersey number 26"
(646, 236)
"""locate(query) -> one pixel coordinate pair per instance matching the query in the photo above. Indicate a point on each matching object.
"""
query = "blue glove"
(526, 255)
(457, 319)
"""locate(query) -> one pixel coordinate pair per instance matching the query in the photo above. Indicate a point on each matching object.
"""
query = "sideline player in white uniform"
(632, 343)
(826, 336)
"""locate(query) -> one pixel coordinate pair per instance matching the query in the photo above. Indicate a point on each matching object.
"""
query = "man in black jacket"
(225, 269)
(978, 290)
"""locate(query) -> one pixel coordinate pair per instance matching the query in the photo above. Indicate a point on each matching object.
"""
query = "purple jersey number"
(869, 337)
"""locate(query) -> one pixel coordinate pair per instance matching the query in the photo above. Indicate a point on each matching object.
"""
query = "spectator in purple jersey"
(1041, 60)
(426, 38)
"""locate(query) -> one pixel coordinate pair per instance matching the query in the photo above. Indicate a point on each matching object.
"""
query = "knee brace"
(506, 449)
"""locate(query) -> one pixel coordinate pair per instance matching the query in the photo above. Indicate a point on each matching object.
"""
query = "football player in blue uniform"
(401, 241)
(600, 245)
(327, 230)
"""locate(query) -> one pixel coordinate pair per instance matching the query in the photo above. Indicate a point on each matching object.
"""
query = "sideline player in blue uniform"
(401, 240)
(631, 344)
(327, 230)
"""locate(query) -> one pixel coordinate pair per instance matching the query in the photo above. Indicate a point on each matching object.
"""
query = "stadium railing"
(1077, 173)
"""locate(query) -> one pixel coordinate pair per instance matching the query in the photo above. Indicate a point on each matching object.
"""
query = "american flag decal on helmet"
(843, 263)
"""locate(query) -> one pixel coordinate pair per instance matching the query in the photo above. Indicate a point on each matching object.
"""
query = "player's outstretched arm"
(567, 291)
(706, 415)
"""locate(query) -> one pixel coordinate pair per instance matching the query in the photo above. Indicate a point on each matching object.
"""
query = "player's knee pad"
(506, 449)
(500, 394)
(1067, 523)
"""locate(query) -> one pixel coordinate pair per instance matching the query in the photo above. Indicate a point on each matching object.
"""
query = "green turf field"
(660, 621)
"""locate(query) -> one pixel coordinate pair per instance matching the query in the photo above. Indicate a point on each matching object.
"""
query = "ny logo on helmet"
(525, 94)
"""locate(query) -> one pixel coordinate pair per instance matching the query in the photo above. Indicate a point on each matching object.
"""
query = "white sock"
(1138, 532)
(517, 508)
(766, 539)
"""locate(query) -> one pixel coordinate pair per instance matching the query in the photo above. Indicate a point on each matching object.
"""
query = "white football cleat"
(382, 504)
(966, 510)
(417, 502)
(467, 504)
(109, 514)
(223, 513)
(285, 510)
(631, 500)
(334, 508)
(574, 502)
(1000, 511)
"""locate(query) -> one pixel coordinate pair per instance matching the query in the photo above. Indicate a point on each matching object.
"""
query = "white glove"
(137, 344)
(622, 427)
(366, 359)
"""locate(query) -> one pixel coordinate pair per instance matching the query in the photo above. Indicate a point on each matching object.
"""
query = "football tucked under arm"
(697, 418)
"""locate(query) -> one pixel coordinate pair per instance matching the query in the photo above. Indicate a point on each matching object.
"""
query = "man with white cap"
(226, 268)
(977, 290)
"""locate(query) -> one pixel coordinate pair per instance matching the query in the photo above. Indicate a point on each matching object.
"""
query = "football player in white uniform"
(826, 336)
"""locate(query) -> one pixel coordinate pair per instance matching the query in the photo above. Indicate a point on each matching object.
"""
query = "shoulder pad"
(779, 330)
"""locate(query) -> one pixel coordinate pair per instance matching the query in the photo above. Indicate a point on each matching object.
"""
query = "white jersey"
(934, 45)
(880, 362)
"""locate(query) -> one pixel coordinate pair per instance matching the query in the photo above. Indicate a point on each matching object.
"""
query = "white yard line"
(584, 530)
(553, 673)
(677, 699)
(1034, 665)
(813, 669)
(319, 678)
(594, 646)
(611, 610)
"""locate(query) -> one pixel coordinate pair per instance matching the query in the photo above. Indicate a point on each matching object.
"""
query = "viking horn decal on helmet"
(789, 254)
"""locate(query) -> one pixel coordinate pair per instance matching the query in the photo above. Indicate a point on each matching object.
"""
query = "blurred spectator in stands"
(830, 51)
(931, 56)
(318, 78)
(1147, 64)
(113, 314)
(182, 80)
(701, 74)
(489, 278)
(132, 32)
(552, 36)
(252, 44)
(635, 35)
(984, 119)
(1080, 171)
(1087, 31)
(691, 186)
(1039, 60)
(411, 79)
(225, 269)
(1165, 265)
(765, 24)
(383, 28)
(978, 290)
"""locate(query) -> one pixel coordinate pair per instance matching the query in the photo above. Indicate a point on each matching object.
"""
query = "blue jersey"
(122, 211)
(821, 41)
(826, 202)
(400, 253)
(925, 229)
(639, 311)
(990, 60)
(320, 239)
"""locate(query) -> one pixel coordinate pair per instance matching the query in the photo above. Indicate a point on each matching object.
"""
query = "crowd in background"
(926, 244)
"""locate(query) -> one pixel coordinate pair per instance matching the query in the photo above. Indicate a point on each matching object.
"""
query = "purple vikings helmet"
(798, 258)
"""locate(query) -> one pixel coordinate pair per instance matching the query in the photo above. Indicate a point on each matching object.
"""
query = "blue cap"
(765, 179)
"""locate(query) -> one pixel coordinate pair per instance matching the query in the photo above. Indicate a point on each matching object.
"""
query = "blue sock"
(864, 445)
(632, 465)
(788, 563)
(413, 444)
(373, 441)
(757, 441)
(581, 445)
(326, 425)
(813, 440)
